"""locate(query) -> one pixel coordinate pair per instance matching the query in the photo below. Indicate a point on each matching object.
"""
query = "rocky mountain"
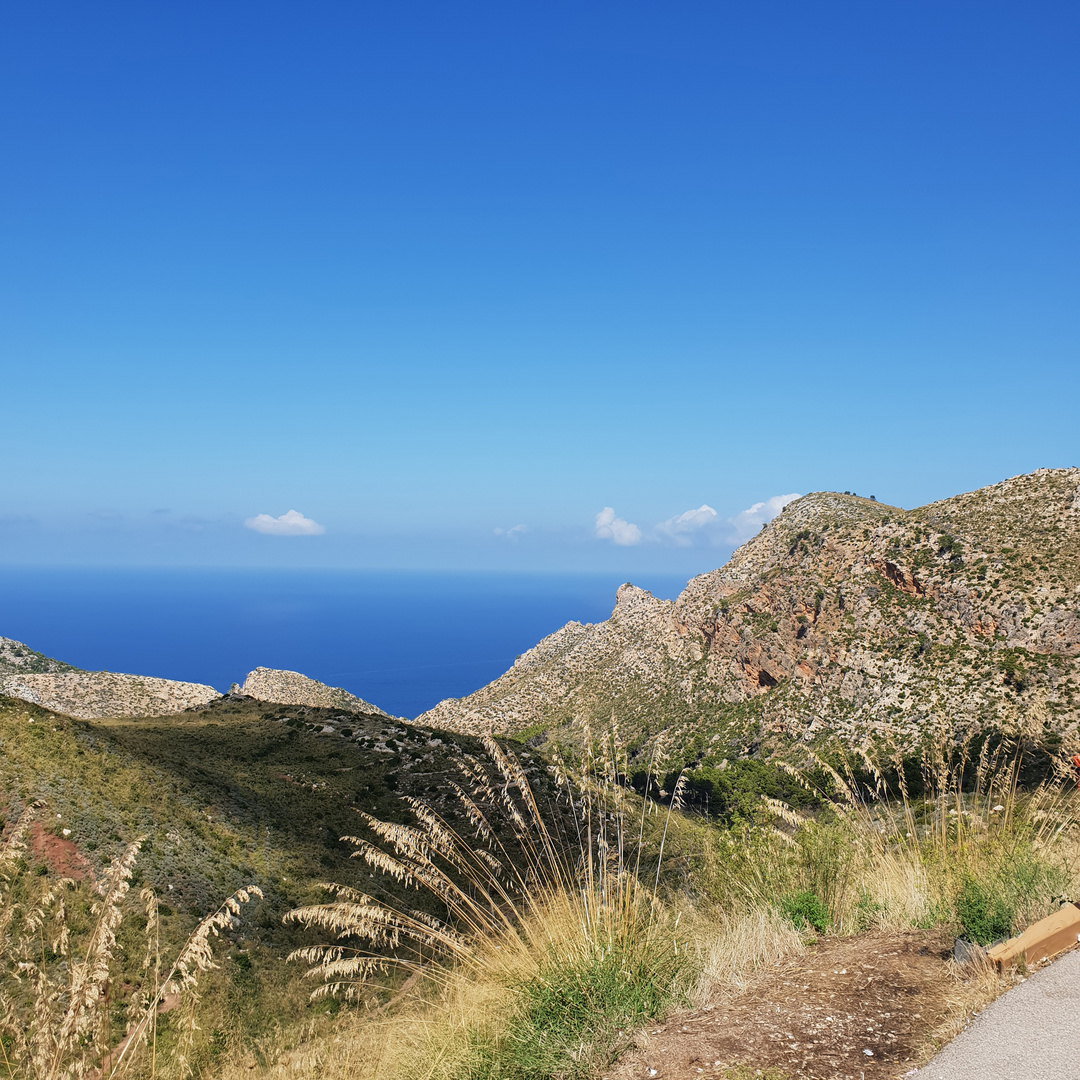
(842, 615)
(31, 676)
(292, 688)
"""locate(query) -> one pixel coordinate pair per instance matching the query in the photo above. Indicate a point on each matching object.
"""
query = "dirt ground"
(859, 1008)
(59, 853)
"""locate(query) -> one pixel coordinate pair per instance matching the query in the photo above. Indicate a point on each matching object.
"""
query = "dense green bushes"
(735, 790)
(983, 913)
(806, 911)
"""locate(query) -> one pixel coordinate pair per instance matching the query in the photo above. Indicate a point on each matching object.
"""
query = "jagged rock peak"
(291, 688)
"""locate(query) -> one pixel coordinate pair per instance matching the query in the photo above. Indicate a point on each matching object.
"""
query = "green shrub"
(983, 913)
(571, 1007)
(735, 791)
(806, 911)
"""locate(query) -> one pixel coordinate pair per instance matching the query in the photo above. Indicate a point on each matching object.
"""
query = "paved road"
(1032, 1032)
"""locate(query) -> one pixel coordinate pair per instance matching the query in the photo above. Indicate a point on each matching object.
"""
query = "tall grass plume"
(58, 974)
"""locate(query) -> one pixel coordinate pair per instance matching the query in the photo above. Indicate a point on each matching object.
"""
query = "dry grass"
(553, 940)
(733, 947)
(885, 858)
(448, 1029)
(524, 907)
(975, 984)
(551, 933)
(881, 859)
(558, 940)
(462, 1022)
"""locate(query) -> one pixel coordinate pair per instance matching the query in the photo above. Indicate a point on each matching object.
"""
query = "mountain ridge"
(842, 615)
(95, 695)
(293, 688)
(19, 659)
(89, 695)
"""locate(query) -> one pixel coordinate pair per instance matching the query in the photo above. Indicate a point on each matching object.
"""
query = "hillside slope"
(237, 792)
(19, 659)
(842, 615)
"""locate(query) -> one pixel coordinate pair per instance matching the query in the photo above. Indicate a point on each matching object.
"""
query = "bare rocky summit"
(843, 615)
(292, 688)
(93, 695)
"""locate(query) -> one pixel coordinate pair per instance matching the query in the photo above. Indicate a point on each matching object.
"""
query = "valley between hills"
(846, 630)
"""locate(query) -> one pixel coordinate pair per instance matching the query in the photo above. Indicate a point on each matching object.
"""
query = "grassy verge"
(976, 854)
(495, 924)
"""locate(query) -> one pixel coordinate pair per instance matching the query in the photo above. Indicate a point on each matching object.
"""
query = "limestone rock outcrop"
(292, 688)
(17, 658)
(93, 695)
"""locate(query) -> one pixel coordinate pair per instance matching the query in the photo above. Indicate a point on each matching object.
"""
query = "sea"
(399, 639)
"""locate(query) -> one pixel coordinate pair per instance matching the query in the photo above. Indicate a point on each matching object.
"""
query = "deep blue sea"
(402, 640)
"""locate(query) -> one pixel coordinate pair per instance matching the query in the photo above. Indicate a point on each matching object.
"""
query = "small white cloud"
(513, 532)
(610, 527)
(292, 523)
(682, 529)
(748, 522)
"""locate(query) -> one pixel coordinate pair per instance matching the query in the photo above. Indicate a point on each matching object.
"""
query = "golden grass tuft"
(544, 911)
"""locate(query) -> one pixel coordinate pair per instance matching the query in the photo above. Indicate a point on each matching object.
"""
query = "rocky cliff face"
(292, 688)
(93, 695)
(842, 615)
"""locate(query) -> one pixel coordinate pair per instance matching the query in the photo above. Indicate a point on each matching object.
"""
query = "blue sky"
(452, 280)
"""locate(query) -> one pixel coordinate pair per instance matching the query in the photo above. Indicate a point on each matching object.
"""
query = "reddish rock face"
(903, 579)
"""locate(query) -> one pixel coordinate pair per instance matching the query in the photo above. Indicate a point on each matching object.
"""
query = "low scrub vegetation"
(59, 998)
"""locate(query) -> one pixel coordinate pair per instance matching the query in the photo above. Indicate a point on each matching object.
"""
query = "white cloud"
(748, 522)
(610, 527)
(681, 529)
(292, 523)
(513, 532)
